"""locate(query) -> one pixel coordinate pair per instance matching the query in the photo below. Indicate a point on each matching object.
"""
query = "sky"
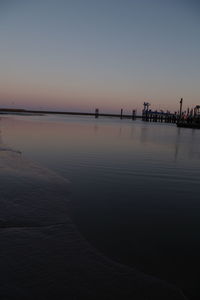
(76, 55)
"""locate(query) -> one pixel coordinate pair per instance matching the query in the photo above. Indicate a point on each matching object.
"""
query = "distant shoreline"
(13, 111)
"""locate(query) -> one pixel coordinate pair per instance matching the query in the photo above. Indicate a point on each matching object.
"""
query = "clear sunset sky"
(80, 54)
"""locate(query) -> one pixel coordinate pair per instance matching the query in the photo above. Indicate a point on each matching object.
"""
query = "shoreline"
(24, 111)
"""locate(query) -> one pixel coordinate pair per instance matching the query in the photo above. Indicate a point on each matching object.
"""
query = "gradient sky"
(82, 54)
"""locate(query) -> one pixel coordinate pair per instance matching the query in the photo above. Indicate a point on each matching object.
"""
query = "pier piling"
(96, 113)
(121, 114)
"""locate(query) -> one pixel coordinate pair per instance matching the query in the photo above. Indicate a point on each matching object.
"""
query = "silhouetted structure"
(134, 114)
(181, 105)
(96, 113)
(146, 107)
(149, 115)
(190, 118)
(121, 114)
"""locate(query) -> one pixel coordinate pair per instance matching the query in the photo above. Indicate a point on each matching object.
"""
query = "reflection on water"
(135, 187)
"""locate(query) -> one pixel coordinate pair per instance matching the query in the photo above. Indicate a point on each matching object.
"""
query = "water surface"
(134, 187)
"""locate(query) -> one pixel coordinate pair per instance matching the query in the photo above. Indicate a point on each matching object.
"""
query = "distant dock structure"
(189, 118)
(149, 115)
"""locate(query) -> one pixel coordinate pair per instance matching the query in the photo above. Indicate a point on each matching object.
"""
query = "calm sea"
(135, 187)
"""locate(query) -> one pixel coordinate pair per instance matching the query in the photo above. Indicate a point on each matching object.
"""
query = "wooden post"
(96, 113)
(181, 105)
(133, 114)
(121, 113)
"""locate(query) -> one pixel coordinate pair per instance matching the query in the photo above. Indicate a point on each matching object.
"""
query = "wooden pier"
(95, 114)
(149, 116)
(189, 118)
